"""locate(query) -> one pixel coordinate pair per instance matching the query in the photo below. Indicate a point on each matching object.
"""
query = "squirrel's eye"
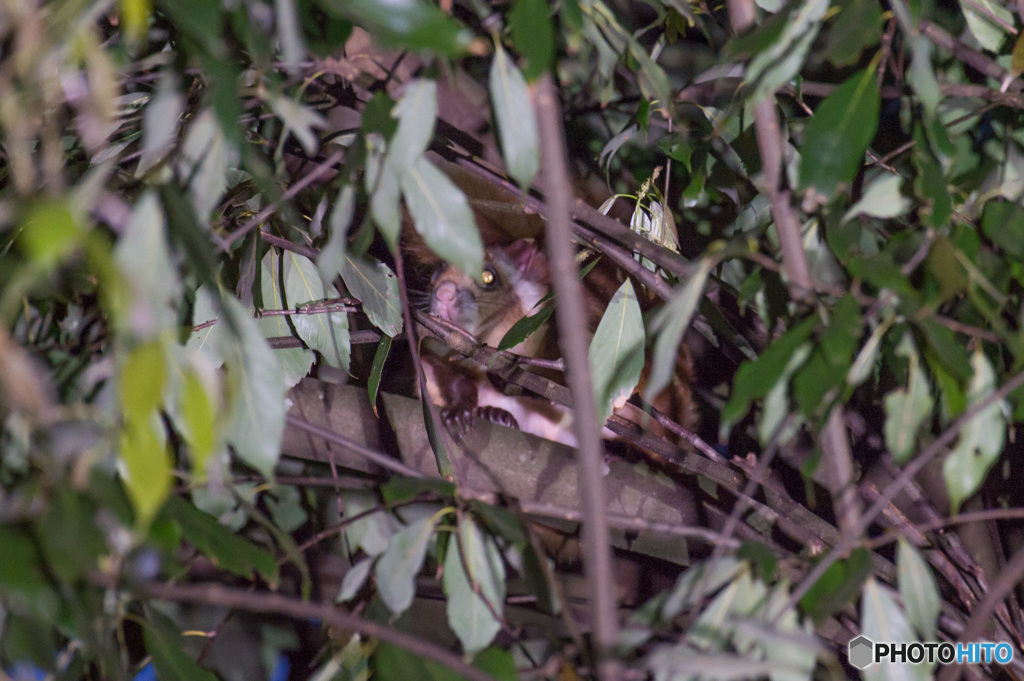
(489, 277)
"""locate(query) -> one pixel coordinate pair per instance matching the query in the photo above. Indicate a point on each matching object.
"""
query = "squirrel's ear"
(527, 257)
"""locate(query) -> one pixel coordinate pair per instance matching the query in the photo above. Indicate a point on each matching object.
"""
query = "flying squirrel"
(514, 279)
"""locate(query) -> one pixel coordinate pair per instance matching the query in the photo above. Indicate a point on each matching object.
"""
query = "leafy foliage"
(213, 214)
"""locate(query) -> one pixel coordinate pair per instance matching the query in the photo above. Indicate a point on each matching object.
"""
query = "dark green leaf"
(533, 35)
(379, 357)
(1003, 223)
(836, 138)
(170, 660)
(71, 540)
(228, 550)
(856, 26)
(754, 379)
(409, 24)
(523, 328)
(946, 347)
(839, 585)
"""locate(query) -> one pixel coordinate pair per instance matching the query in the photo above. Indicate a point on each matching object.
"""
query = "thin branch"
(838, 460)
(893, 489)
(570, 314)
(315, 174)
(769, 143)
(279, 604)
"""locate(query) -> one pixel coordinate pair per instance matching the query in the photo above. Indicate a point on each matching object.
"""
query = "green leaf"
(989, 34)
(755, 379)
(838, 586)
(442, 216)
(49, 233)
(206, 341)
(836, 138)
(408, 24)
(354, 579)
(147, 468)
(325, 332)
(946, 347)
(170, 661)
(299, 120)
(141, 381)
(416, 112)
(475, 600)
(776, 403)
(381, 182)
(670, 323)
(922, 76)
(160, 122)
(397, 568)
(981, 438)
(698, 583)
(377, 368)
(784, 56)
(391, 663)
(204, 160)
(617, 351)
(498, 663)
(143, 255)
(228, 550)
(857, 26)
(517, 126)
(295, 362)
(376, 286)
(332, 255)
(882, 619)
(1003, 223)
(255, 415)
(524, 328)
(200, 20)
(907, 408)
(71, 540)
(533, 35)
(918, 590)
(881, 199)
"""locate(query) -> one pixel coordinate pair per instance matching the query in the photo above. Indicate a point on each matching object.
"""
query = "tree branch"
(570, 314)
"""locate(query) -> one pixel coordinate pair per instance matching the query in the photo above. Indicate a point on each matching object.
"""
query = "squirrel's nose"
(445, 293)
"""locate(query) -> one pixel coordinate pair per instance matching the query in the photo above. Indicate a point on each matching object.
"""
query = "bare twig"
(315, 174)
(570, 314)
(838, 462)
(850, 540)
(279, 604)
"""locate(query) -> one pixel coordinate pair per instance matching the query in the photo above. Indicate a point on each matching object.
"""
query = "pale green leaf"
(325, 332)
(354, 579)
(144, 258)
(517, 126)
(617, 351)
(376, 287)
(299, 120)
(382, 185)
(922, 76)
(295, 362)
(881, 199)
(776, 402)
(255, 416)
(205, 158)
(293, 49)
(883, 620)
(371, 532)
(206, 314)
(670, 323)
(907, 408)
(981, 438)
(160, 121)
(416, 112)
(474, 599)
(332, 255)
(783, 59)
(442, 216)
(989, 34)
(397, 568)
(918, 590)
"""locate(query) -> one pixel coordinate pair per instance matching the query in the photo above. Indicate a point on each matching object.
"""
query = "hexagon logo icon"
(861, 652)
